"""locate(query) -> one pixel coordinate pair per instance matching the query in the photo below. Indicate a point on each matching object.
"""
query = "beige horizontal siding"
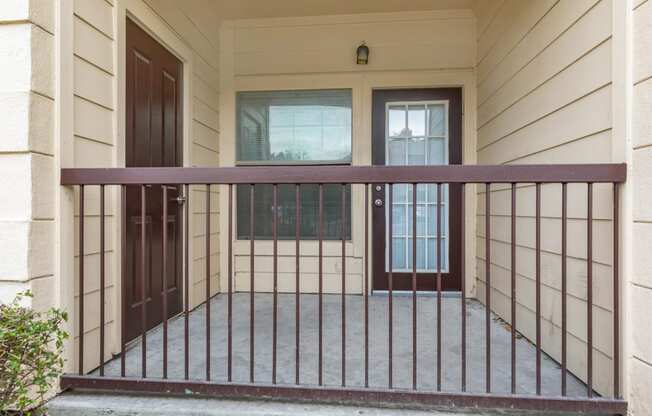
(640, 288)
(551, 25)
(545, 96)
(93, 45)
(93, 121)
(524, 19)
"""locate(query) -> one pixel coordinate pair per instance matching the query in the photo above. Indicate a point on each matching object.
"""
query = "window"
(294, 127)
(305, 127)
(287, 215)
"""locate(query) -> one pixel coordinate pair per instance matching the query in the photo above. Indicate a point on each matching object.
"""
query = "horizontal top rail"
(553, 173)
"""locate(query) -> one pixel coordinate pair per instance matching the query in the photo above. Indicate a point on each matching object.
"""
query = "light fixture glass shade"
(363, 54)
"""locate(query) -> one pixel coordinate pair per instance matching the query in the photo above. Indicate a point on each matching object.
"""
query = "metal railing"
(361, 177)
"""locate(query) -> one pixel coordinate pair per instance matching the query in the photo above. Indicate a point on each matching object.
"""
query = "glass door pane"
(416, 135)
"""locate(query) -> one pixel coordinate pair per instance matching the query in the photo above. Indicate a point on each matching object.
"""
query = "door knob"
(378, 202)
(180, 199)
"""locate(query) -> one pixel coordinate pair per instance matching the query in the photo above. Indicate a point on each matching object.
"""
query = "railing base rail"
(369, 397)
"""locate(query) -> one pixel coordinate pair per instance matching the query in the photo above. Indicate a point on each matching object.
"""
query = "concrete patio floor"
(378, 345)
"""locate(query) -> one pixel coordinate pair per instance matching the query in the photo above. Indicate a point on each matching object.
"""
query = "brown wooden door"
(153, 139)
(417, 127)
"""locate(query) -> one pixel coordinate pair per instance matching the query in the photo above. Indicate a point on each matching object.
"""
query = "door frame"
(143, 15)
(380, 99)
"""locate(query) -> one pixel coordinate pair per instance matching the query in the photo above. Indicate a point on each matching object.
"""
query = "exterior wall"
(640, 284)
(409, 49)
(98, 127)
(544, 75)
(27, 106)
(93, 143)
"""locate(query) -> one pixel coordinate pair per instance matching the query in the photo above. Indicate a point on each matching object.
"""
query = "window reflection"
(286, 127)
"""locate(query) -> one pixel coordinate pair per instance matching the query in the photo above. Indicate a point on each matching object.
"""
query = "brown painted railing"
(226, 178)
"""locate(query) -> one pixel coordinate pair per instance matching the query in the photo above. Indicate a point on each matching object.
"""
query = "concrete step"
(94, 404)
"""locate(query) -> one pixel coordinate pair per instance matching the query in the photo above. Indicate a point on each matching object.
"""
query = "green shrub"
(31, 360)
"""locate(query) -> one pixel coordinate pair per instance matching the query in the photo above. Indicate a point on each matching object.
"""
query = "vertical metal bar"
(143, 278)
(414, 286)
(390, 285)
(366, 285)
(102, 280)
(564, 287)
(275, 283)
(123, 269)
(616, 291)
(252, 309)
(513, 287)
(438, 241)
(538, 287)
(589, 291)
(297, 290)
(321, 282)
(488, 285)
(81, 280)
(208, 282)
(164, 283)
(229, 365)
(343, 215)
(186, 284)
(463, 282)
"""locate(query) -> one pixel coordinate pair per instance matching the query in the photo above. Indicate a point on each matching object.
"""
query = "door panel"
(417, 127)
(153, 139)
